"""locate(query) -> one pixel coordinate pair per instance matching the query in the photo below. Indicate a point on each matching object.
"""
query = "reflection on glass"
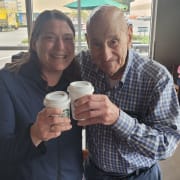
(140, 18)
(138, 14)
(15, 33)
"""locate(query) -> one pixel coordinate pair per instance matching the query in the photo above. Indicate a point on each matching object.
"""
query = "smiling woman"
(30, 148)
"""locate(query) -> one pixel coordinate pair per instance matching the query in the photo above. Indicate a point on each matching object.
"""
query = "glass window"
(14, 34)
(13, 28)
(139, 16)
(138, 13)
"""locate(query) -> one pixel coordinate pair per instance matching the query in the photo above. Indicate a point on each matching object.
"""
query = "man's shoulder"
(149, 68)
(157, 69)
(85, 60)
(83, 56)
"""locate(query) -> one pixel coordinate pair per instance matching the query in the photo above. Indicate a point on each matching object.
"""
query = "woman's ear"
(130, 35)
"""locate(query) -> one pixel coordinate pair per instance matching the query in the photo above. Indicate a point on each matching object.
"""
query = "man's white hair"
(99, 10)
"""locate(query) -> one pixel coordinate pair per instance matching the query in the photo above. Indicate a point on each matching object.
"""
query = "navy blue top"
(21, 98)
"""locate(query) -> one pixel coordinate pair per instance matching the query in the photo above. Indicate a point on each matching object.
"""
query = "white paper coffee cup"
(58, 99)
(78, 89)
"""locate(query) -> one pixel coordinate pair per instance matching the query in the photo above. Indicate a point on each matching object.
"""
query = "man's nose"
(107, 52)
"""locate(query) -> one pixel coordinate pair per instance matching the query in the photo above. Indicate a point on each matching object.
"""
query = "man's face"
(108, 43)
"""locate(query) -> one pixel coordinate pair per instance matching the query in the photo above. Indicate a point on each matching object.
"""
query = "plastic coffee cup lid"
(56, 98)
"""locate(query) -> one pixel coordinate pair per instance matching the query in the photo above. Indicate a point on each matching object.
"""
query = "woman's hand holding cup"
(53, 119)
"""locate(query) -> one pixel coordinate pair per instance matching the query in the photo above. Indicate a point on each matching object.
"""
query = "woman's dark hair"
(39, 25)
(36, 31)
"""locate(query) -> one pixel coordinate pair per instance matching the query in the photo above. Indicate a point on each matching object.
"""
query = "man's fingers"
(88, 114)
(87, 98)
(90, 121)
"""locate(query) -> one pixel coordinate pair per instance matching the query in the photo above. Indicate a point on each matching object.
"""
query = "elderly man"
(133, 119)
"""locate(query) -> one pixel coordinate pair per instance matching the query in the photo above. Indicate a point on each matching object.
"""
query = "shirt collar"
(128, 65)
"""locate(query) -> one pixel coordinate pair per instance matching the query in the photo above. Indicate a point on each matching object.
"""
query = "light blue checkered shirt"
(148, 127)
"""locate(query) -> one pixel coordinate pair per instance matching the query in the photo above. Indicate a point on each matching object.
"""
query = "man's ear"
(87, 39)
(130, 35)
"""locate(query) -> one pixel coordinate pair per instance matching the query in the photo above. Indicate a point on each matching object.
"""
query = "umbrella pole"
(79, 25)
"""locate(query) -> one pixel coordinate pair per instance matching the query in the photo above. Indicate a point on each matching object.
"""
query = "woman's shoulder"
(14, 66)
(10, 71)
(5, 72)
(7, 77)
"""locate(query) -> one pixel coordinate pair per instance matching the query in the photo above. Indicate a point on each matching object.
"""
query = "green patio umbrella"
(91, 4)
(88, 5)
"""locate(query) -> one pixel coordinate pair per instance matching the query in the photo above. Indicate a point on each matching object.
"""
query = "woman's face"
(55, 46)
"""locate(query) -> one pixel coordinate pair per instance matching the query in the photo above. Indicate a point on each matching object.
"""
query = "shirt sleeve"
(156, 135)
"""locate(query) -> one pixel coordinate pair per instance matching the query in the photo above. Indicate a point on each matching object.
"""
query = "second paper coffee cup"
(78, 89)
